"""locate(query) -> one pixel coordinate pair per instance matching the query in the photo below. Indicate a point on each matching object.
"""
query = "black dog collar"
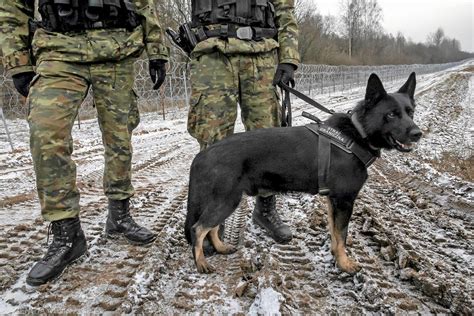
(361, 131)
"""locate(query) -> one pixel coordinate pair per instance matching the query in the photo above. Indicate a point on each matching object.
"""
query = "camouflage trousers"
(55, 96)
(219, 82)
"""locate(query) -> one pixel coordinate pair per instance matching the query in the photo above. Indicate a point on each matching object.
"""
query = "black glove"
(157, 72)
(22, 82)
(285, 73)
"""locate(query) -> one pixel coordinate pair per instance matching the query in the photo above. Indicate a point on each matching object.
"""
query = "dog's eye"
(391, 115)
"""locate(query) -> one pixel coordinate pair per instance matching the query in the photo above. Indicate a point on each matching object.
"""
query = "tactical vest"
(257, 13)
(80, 15)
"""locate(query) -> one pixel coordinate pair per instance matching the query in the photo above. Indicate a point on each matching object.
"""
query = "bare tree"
(360, 22)
(436, 38)
(351, 18)
(173, 13)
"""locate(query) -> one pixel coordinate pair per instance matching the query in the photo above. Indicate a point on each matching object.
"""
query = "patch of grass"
(463, 168)
(469, 69)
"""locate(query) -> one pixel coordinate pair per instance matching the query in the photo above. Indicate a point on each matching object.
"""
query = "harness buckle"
(324, 191)
(98, 25)
(245, 33)
(371, 161)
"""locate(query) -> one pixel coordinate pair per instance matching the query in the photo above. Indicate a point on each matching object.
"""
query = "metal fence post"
(6, 127)
(185, 87)
(322, 83)
(310, 84)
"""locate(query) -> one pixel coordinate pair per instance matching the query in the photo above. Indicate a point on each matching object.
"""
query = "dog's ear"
(375, 90)
(409, 86)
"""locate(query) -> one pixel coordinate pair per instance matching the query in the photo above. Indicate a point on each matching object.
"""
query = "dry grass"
(463, 168)
(469, 69)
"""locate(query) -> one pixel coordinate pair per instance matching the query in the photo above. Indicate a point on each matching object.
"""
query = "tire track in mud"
(11, 274)
(304, 273)
(88, 181)
(424, 237)
(109, 283)
(299, 270)
(398, 254)
(236, 224)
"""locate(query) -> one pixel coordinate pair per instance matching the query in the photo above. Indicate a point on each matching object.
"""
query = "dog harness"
(330, 136)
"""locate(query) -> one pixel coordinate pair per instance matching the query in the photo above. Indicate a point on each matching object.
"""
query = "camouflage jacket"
(287, 38)
(19, 49)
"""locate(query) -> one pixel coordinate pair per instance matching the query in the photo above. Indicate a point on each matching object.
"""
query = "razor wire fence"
(172, 98)
(324, 79)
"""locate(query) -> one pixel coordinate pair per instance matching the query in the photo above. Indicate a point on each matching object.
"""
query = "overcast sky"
(418, 18)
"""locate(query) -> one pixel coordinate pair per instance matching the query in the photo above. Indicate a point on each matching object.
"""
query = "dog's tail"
(194, 209)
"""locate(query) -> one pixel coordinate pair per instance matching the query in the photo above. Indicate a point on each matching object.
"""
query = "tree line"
(356, 37)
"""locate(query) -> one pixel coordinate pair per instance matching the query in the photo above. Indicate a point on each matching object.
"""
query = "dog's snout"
(415, 134)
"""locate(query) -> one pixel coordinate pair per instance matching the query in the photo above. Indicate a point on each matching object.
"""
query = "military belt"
(232, 31)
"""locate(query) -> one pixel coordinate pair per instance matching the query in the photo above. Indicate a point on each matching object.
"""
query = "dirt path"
(412, 230)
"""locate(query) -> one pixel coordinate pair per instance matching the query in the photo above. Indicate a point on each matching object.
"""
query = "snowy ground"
(412, 228)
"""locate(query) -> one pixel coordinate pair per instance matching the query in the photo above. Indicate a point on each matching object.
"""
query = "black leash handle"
(305, 98)
(286, 119)
(311, 117)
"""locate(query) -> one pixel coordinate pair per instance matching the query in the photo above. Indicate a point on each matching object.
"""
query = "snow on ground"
(412, 227)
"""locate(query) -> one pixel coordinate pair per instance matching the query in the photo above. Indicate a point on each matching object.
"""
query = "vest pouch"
(132, 19)
(201, 12)
(243, 9)
(64, 8)
(270, 15)
(225, 11)
(68, 14)
(94, 9)
(259, 14)
(49, 18)
(112, 8)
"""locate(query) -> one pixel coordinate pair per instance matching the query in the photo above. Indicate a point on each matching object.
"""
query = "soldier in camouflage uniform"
(245, 48)
(78, 45)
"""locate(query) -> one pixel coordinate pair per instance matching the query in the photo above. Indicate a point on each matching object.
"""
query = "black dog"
(271, 160)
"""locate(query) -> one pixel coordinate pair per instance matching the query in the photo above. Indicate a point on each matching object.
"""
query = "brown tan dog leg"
(201, 263)
(338, 220)
(220, 246)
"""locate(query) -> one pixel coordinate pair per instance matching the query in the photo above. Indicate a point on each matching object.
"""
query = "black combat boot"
(265, 216)
(69, 244)
(120, 223)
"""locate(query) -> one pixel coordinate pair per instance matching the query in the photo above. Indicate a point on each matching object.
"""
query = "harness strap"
(328, 136)
(324, 163)
(365, 156)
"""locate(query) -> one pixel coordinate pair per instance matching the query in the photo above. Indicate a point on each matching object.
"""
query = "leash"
(305, 98)
(286, 119)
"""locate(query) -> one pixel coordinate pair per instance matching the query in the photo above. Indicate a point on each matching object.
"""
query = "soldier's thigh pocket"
(134, 113)
(32, 94)
(196, 110)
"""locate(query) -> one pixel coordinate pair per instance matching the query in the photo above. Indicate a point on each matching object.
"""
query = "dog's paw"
(349, 266)
(227, 250)
(204, 267)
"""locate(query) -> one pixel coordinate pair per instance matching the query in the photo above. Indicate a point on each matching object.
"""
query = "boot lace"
(269, 212)
(126, 218)
(60, 244)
